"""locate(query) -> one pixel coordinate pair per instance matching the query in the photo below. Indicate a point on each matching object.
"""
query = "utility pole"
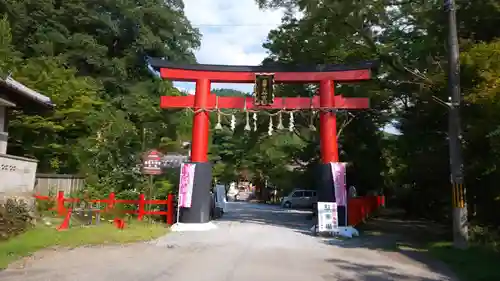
(460, 221)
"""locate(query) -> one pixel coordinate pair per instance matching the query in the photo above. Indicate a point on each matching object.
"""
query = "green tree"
(410, 91)
(90, 57)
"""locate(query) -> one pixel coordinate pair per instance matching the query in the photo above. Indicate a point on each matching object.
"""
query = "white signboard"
(327, 217)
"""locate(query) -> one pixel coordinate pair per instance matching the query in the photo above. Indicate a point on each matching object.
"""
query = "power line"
(235, 25)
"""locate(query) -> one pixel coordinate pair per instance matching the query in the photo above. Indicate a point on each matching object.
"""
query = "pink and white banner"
(186, 184)
(339, 182)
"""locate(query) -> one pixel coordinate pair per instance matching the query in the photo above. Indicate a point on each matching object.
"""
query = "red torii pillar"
(327, 102)
(201, 122)
(328, 123)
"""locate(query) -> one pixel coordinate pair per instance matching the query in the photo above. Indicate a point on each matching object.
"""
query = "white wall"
(17, 176)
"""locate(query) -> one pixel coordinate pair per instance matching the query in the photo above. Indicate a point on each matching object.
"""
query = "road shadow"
(397, 250)
(244, 212)
(390, 236)
(403, 241)
(367, 272)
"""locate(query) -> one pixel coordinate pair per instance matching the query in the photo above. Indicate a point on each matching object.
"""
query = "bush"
(43, 206)
(485, 236)
(126, 195)
(15, 218)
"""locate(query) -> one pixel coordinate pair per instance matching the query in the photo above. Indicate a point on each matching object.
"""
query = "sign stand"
(346, 201)
(186, 185)
(151, 165)
(328, 222)
(151, 188)
(178, 215)
(327, 218)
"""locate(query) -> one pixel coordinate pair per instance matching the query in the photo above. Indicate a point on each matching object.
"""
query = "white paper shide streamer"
(270, 129)
(233, 122)
(255, 122)
(247, 125)
(280, 122)
(218, 126)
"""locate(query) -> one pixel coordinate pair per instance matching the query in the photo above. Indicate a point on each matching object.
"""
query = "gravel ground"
(253, 242)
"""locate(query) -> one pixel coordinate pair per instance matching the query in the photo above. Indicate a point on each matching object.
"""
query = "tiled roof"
(23, 96)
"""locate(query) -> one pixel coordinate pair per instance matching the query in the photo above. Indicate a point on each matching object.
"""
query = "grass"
(473, 264)
(43, 237)
(477, 263)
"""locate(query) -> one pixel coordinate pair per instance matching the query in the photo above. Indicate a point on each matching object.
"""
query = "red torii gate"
(203, 101)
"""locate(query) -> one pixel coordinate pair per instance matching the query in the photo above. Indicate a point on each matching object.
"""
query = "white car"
(300, 198)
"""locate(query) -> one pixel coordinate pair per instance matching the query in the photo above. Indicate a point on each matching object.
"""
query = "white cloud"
(187, 90)
(233, 32)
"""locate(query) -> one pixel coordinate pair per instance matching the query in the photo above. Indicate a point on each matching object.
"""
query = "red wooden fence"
(359, 209)
(110, 202)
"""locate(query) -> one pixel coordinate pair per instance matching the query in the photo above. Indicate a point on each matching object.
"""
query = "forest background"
(90, 57)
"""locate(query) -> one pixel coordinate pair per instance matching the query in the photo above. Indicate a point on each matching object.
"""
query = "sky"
(233, 32)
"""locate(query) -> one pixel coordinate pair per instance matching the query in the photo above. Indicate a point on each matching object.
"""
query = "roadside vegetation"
(424, 240)
(478, 263)
(24, 232)
(94, 68)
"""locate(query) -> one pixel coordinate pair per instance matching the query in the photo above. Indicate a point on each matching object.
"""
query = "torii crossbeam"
(203, 74)
(214, 102)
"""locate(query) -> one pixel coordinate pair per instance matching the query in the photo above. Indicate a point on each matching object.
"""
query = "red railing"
(111, 201)
(359, 209)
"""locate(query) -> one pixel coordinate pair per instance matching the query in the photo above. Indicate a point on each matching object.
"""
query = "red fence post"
(111, 202)
(60, 203)
(371, 202)
(361, 208)
(351, 212)
(170, 209)
(140, 211)
(65, 224)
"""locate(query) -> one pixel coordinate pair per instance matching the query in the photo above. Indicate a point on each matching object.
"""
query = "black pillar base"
(342, 211)
(200, 201)
(326, 190)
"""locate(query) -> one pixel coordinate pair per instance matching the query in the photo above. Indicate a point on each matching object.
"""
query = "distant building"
(174, 160)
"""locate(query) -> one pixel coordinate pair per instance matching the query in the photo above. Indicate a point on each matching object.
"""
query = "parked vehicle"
(300, 198)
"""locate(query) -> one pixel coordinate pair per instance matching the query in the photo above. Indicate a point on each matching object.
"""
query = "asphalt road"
(252, 243)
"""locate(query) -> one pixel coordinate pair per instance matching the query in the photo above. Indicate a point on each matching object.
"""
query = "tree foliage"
(409, 38)
(90, 58)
